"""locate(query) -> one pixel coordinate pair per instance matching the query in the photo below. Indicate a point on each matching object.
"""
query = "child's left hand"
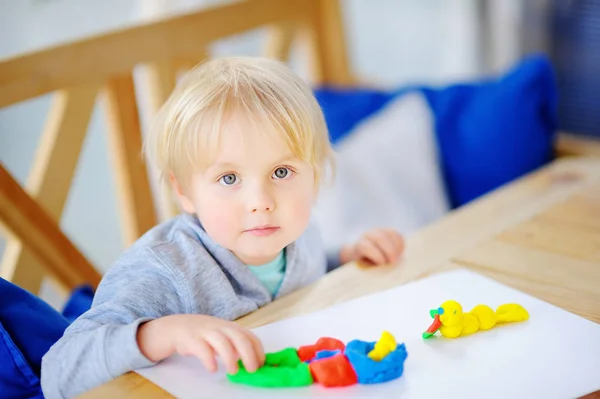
(376, 247)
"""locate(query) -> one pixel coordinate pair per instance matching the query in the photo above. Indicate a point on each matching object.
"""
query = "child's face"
(256, 197)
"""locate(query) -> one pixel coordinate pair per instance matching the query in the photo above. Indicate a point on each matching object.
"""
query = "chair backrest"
(77, 72)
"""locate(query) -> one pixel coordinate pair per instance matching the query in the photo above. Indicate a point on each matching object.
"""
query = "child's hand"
(204, 337)
(376, 247)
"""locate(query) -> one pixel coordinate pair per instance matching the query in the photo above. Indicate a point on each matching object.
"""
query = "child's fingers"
(386, 243)
(244, 347)
(368, 249)
(400, 244)
(224, 348)
(203, 351)
(258, 347)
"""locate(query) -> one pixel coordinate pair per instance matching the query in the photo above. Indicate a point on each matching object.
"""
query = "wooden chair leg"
(326, 37)
(133, 188)
(280, 40)
(51, 175)
(184, 64)
(40, 233)
(162, 78)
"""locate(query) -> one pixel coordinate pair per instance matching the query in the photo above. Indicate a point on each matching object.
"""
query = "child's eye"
(228, 180)
(281, 173)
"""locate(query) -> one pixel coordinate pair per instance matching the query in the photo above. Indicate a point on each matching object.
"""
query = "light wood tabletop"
(539, 234)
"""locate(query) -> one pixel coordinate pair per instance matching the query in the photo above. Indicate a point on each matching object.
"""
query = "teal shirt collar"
(271, 274)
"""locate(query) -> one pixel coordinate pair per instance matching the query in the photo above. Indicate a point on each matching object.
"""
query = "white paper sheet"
(555, 354)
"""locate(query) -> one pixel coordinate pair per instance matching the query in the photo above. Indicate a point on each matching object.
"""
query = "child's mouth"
(263, 231)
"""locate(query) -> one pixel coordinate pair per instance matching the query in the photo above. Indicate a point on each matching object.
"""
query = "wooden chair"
(78, 72)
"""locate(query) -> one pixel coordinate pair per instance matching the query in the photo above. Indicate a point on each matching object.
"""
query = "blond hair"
(186, 129)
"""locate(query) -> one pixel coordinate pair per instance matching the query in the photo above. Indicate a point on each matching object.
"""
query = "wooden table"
(540, 234)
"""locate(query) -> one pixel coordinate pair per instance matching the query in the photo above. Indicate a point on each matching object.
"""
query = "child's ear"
(186, 204)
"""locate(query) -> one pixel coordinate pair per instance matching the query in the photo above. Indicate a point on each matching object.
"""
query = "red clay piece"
(308, 352)
(335, 371)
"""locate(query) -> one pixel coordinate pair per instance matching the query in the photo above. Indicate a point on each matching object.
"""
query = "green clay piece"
(281, 369)
(427, 335)
(287, 357)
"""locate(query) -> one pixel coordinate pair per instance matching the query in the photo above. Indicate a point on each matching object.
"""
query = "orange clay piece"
(334, 371)
(308, 352)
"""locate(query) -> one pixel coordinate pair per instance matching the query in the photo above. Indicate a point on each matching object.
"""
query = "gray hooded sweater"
(175, 268)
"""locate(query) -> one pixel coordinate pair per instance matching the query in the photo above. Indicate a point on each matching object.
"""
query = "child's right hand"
(204, 337)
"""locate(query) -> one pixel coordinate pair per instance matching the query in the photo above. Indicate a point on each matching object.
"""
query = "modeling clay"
(436, 323)
(370, 371)
(330, 363)
(335, 371)
(308, 352)
(281, 369)
(385, 345)
(324, 355)
(452, 322)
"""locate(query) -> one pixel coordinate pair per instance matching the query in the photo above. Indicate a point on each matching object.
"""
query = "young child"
(245, 146)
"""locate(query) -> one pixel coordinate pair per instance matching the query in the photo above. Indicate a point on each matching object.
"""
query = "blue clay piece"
(370, 371)
(323, 355)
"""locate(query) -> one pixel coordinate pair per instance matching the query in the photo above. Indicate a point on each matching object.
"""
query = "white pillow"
(387, 175)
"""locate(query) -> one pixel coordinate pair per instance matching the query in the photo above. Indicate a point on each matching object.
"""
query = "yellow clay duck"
(452, 322)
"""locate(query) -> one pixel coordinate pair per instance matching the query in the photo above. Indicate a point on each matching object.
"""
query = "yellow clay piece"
(455, 322)
(386, 344)
(485, 315)
(511, 312)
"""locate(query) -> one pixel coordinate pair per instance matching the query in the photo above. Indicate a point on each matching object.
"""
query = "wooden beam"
(162, 78)
(328, 44)
(97, 58)
(51, 175)
(125, 139)
(279, 41)
(184, 64)
(41, 234)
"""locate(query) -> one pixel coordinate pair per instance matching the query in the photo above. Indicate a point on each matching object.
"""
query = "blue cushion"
(344, 108)
(28, 328)
(490, 133)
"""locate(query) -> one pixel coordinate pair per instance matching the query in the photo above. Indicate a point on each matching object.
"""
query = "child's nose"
(262, 208)
(262, 202)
